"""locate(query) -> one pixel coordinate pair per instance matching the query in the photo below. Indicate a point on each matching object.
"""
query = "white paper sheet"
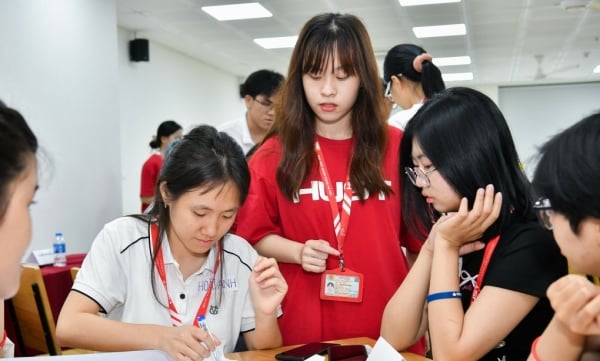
(384, 351)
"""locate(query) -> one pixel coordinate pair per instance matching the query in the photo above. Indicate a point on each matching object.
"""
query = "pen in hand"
(216, 354)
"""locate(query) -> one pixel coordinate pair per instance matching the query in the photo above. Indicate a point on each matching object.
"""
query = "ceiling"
(505, 38)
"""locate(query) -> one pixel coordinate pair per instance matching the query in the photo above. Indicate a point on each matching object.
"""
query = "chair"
(74, 271)
(32, 316)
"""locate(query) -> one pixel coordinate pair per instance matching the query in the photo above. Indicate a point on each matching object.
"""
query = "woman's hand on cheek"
(465, 248)
(465, 226)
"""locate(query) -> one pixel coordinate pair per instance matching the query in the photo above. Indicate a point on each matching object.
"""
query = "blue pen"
(216, 355)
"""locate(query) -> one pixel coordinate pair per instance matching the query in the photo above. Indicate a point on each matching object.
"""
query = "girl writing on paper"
(325, 193)
(464, 184)
(18, 183)
(156, 275)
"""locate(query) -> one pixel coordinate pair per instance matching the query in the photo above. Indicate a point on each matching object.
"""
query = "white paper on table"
(316, 357)
(384, 351)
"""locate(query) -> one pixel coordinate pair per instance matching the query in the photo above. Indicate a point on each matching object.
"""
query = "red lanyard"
(487, 255)
(160, 268)
(340, 222)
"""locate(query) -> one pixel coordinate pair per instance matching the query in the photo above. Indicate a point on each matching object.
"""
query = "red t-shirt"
(372, 246)
(150, 173)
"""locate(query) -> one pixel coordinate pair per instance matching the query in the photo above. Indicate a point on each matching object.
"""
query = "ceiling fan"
(540, 74)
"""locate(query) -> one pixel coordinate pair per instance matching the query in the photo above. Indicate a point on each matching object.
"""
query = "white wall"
(64, 64)
(169, 86)
(58, 66)
(535, 113)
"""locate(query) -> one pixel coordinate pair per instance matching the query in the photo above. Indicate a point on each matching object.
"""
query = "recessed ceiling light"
(277, 42)
(237, 11)
(457, 76)
(439, 30)
(452, 60)
(425, 2)
(597, 69)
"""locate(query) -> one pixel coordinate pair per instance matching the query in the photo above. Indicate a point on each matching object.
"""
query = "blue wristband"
(443, 295)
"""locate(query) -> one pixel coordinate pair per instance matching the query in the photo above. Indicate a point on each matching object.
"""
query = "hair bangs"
(322, 48)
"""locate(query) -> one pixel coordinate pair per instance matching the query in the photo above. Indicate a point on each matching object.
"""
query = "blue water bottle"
(60, 250)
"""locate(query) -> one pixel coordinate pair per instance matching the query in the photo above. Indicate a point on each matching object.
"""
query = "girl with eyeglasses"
(330, 157)
(567, 176)
(479, 282)
(411, 78)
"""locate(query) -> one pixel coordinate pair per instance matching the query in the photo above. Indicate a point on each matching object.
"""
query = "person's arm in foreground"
(576, 303)
(79, 325)
(404, 319)
(456, 335)
(267, 289)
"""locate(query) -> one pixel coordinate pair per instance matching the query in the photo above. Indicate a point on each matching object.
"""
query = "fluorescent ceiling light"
(439, 30)
(425, 2)
(597, 69)
(452, 60)
(237, 11)
(457, 76)
(277, 42)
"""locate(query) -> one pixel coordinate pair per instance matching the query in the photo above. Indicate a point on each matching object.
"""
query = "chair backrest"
(32, 314)
(74, 271)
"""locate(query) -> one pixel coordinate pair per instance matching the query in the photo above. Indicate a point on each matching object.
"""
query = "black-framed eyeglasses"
(263, 102)
(388, 88)
(544, 211)
(416, 173)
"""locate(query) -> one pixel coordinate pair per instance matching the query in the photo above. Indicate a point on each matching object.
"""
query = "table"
(58, 283)
(269, 355)
(156, 355)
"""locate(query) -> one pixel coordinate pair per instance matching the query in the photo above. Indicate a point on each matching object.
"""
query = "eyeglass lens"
(415, 174)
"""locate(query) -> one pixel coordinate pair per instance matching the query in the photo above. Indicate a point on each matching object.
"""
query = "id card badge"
(338, 285)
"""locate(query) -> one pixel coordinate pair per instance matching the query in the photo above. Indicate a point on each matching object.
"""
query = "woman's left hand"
(267, 285)
(466, 225)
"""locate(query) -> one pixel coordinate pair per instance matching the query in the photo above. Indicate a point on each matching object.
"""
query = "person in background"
(258, 92)
(411, 79)
(330, 156)
(167, 132)
(568, 179)
(18, 184)
(155, 274)
(466, 190)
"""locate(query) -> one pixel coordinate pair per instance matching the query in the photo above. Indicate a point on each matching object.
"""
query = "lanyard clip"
(342, 262)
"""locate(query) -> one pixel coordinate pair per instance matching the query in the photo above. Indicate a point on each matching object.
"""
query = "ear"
(597, 229)
(164, 193)
(248, 100)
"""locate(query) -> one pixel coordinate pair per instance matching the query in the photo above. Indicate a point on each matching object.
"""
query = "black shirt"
(525, 260)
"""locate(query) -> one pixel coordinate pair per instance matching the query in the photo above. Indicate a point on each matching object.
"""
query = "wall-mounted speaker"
(139, 50)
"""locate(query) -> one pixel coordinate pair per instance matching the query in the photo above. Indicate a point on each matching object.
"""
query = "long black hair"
(17, 145)
(467, 139)
(204, 158)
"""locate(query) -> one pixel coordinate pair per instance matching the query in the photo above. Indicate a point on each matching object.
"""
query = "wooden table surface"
(269, 355)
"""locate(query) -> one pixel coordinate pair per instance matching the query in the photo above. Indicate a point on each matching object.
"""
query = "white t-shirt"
(116, 275)
(401, 117)
(238, 130)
